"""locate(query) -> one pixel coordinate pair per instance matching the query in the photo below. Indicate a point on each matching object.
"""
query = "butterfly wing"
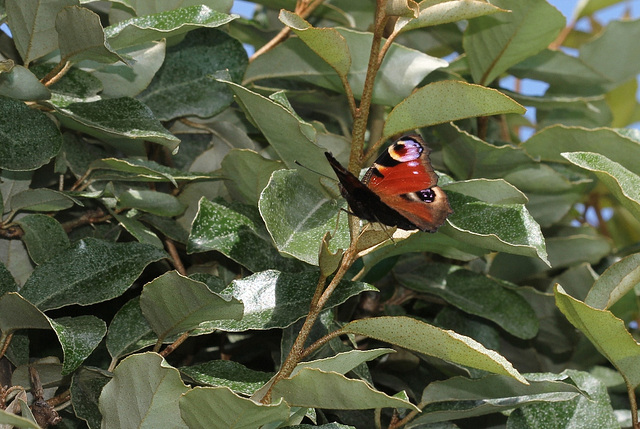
(363, 202)
(403, 168)
(399, 189)
(427, 209)
(405, 181)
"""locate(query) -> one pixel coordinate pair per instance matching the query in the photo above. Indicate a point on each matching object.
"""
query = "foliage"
(173, 256)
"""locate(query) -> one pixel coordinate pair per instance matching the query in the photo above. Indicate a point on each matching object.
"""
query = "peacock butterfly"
(399, 189)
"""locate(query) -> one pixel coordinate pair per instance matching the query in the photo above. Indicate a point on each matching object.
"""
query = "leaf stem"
(5, 340)
(633, 405)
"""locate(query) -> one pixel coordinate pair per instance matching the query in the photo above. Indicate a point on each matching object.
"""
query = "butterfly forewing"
(403, 168)
(398, 190)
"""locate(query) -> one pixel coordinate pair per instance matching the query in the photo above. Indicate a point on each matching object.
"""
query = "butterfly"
(399, 189)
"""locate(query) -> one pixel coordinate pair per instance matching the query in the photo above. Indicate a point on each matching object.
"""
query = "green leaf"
(233, 375)
(614, 46)
(576, 247)
(584, 111)
(565, 74)
(173, 304)
(143, 7)
(237, 236)
(437, 243)
(622, 103)
(75, 86)
(89, 272)
(275, 300)
(436, 13)
(424, 338)
(248, 173)
(291, 138)
(86, 385)
(220, 408)
(32, 26)
(424, 107)
(582, 411)
(43, 236)
(475, 294)
(137, 229)
(158, 203)
(334, 391)
(144, 393)
(549, 144)
(461, 397)
(327, 43)
(588, 7)
(28, 138)
(79, 336)
(116, 118)
(16, 259)
(7, 282)
(623, 184)
(42, 200)
(13, 420)
(292, 60)
(184, 86)
(142, 170)
(467, 156)
(606, 332)
(81, 37)
(129, 331)
(495, 43)
(344, 362)
(12, 183)
(128, 80)
(17, 313)
(614, 283)
(164, 25)
(299, 232)
(21, 84)
(501, 223)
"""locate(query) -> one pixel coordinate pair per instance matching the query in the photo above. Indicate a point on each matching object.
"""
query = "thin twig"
(171, 347)
(634, 406)
(5, 340)
(175, 257)
(56, 73)
(90, 217)
(303, 9)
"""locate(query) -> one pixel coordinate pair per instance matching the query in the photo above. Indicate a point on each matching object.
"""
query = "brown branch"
(11, 232)
(555, 45)
(303, 9)
(56, 73)
(171, 347)
(175, 257)
(5, 340)
(90, 217)
(362, 113)
(633, 405)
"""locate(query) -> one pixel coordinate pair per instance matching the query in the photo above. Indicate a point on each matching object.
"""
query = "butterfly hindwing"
(398, 190)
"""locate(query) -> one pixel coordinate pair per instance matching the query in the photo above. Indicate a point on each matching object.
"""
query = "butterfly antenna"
(333, 179)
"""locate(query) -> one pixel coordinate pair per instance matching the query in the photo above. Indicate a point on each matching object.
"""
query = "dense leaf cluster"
(172, 256)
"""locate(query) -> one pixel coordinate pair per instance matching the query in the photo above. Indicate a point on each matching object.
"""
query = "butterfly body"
(400, 189)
